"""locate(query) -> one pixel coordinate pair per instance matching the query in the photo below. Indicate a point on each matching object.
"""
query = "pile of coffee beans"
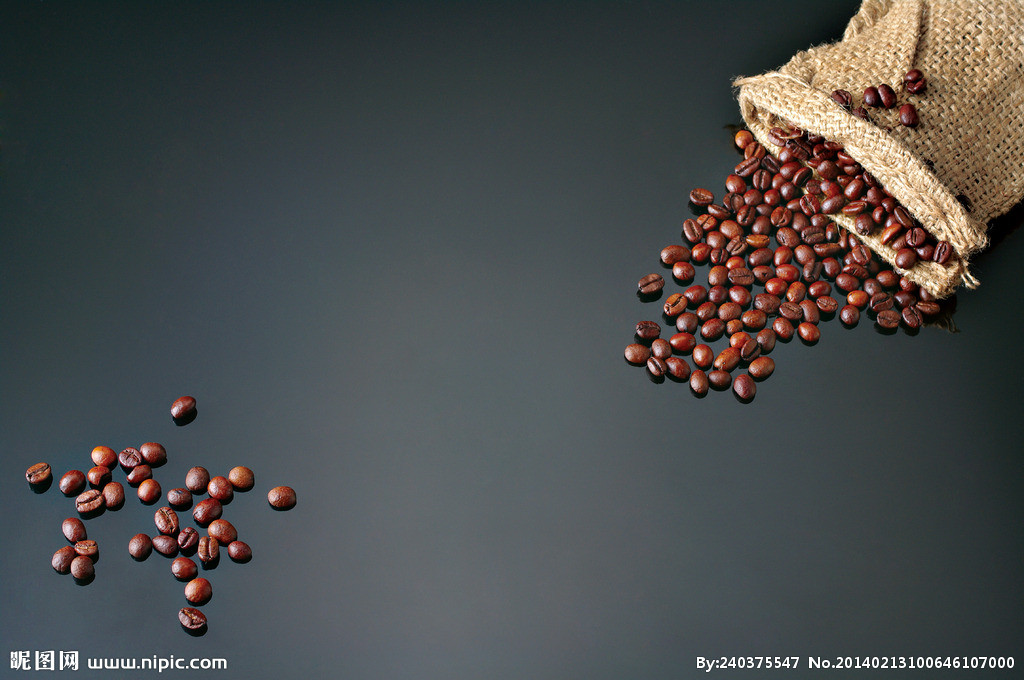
(171, 537)
(779, 266)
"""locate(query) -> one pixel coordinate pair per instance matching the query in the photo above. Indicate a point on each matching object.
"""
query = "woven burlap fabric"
(970, 141)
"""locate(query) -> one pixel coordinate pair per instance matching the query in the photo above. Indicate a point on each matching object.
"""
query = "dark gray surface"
(392, 251)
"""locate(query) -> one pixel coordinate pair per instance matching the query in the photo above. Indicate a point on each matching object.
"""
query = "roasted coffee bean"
(678, 368)
(129, 458)
(192, 619)
(903, 299)
(790, 310)
(113, 495)
(149, 491)
(862, 113)
(198, 591)
(906, 258)
(748, 166)
(819, 289)
(808, 332)
(89, 501)
(674, 306)
(783, 328)
(660, 349)
(911, 317)
(656, 367)
(82, 568)
(744, 387)
(197, 478)
(637, 354)
(73, 529)
(165, 545)
(740, 295)
(701, 197)
(847, 282)
(810, 311)
(210, 509)
(683, 272)
(699, 382)
(651, 284)
(716, 296)
(843, 98)
(692, 231)
(139, 474)
(188, 539)
(827, 304)
(166, 521)
(718, 275)
(683, 342)
(62, 559)
(767, 303)
(796, 292)
(672, 254)
(182, 498)
(888, 278)
(727, 359)
(140, 546)
(208, 549)
(72, 482)
(761, 367)
(153, 454)
(888, 318)
(787, 273)
(858, 299)
(104, 456)
(38, 474)
(750, 350)
(886, 96)
(719, 380)
(184, 569)
(183, 409)
(849, 315)
(742, 138)
(928, 308)
(645, 330)
(766, 339)
(98, 475)
(943, 252)
(242, 478)
(87, 548)
(880, 301)
(241, 552)
(741, 276)
(223, 531)
(696, 294)
(712, 329)
(754, 319)
(729, 311)
(871, 96)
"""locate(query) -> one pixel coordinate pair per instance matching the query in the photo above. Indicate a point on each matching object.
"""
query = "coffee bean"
(767, 303)
(184, 569)
(220, 488)
(741, 276)
(139, 474)
(928, 308)
(166, 521)
(651, 284)
(701, 197)
(712, 329)
(808, 332)
(89, 501)
(683, 272)
(62, 559)
(104, 456)
(673, 254)
(911, 317)
(943, 252)
(692, 232)
(182, 498)
(208, 550)
(154, 454)
(644, 331)
(165, 545)
(82, 569)
(678, 368)
(729, 311)
(906, 258)
(674, 305)
(197, 478)
(129, 458)
(819, 289)
(727, 359)
(223, 531)
(73, 529)
(750, 350)
(87, 548)
(754, 319)
(140, 546)
(72, 482)
(862, 113)
(783, 328)
(744, 387)
(683, 342)
(113, 495)
(38, 474)
(192, 619)
(849, 315)
(656, 367)
(699, 382)
(886, 96)
(198, 591)
(790, 310)
(149, 491)
(871, 96)
(660, 349)
(687, 322)
(188, 539)
(241, 552)
(888, 318)
(719, 380)
(881, 301)
(843, 98)
(810, 312)
(243, 479)
(637, 354)
(766, 339)
(207, 510)
(98, 475)
(827, 304)
(748, 166)
(183, 409)
(761, 367)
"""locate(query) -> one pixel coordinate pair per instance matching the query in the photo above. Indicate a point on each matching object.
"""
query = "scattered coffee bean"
(645, 330)
(678, 368)
(180, 498)
(656, 367)
(908, 116)
(149, 491)
(699, 382)
(113, 495)
(183, 409)
(281, 497)
(98, 476)
(61, 560)
(888, 318)
(165, 545)
(197, 478)
(761, 368)
(241, 552)
(153, 454)
(139, 474)
(719, 380)
(184, 569)
(208, 549)
(886, 96)
(223, 531)
(38, 474)
(635, 354)
(73, 529)
(72, 483)
(206, 511)
(129, 458)
(198, 591)
(220, 488)
(104, 456)
(188, 539)
(82, 568)
(651, 284)
(87, 548)
(744, 387)
(89, 501)
(140, 546)
(808, 332)
(166, 521)
(192, 619)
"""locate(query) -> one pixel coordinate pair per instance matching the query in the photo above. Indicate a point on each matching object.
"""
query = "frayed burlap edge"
(774, 99)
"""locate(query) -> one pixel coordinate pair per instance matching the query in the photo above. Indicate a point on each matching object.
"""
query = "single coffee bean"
(636, 354)
(886, 96)
(928, 308)
(73, 529)
(712, 329)
(183, 409)
(89, 501)
(62, 559)
(783, 328)
(38, 474)
(140, 546)
(220, 488)
(791, 311)
(718, 275)
(862, 113)
(750, 350)
(166, 521)
(198, 591)
(154, 454)
(241, 552)
(727, 359)
(754, 319)
(129, 458)
(906, 258)
(674, 306)
(699, 382)
(113, 495)
(761, 367)
(207, 510)
(719, 380)
(139, 474)
(943, 252)
(827, 304)
(188, 539)
(741, 276)
(849, 315)
(224, 531)
(818, 289)
(104, 456)
(677, 368)
(283, 497)
(208, 550)
(149, 491)
(701, 197)
(888, 318)
(645, 330)
(871, 96)
(98, 476)
(687, 322)
(796, 292)
(767, 303)
(742, 138)
(692, 233)
(810, 312)
(655, 367)
(672, 254)
(661, 349)
(744, 387)
(709, 310)
(197, 478)
(82, 568)
(808, 332)
(191, 619)
(72, 482)
(843, 98)
(87, 548)
(908, 116)
(729, 311)
(165, 545)
(683, 272)
(766, 339)
(184, 569)
(881, 301)
(182, 498)
(683, 342)
(651, 284)
(911, 317)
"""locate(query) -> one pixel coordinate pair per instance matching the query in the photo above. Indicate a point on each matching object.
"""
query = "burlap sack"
(970, 141)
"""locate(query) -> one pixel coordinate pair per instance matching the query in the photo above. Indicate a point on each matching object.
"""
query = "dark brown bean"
(808, 332)
(104, 456)
(223, 531)
(153, 454)
(73, 529)
(38, 474)
(906, 258)
(89, 501)
(645, 330)
(674, 306)
(192, 619)
(888, 318)
(660, 349)
(719, 380)
(140, 546)
(165, 545)
(762, 367)
(208, 510)
(744, 387)
(712, 329)
(886, 96)
(98, 476)
(678, 368)
(683, 272)
(208, 550)
(727, 359)
(197, 478)
(166, 521)
(71, 483)
(198, 591)
(129, 458)
(849, 315)
(82, 568)
(188, 539)
(183, 409)
(699, 382)
(766, 339)
(149, 491)
(87, 548)
(241, 552)
(674, 253)
(656, 367)
(62, 559)
(701, 197)
(911, 317)
(184, 569)
(182, 498)
(113, 495)
(139, 474)
(783, 328)
(651, 284)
